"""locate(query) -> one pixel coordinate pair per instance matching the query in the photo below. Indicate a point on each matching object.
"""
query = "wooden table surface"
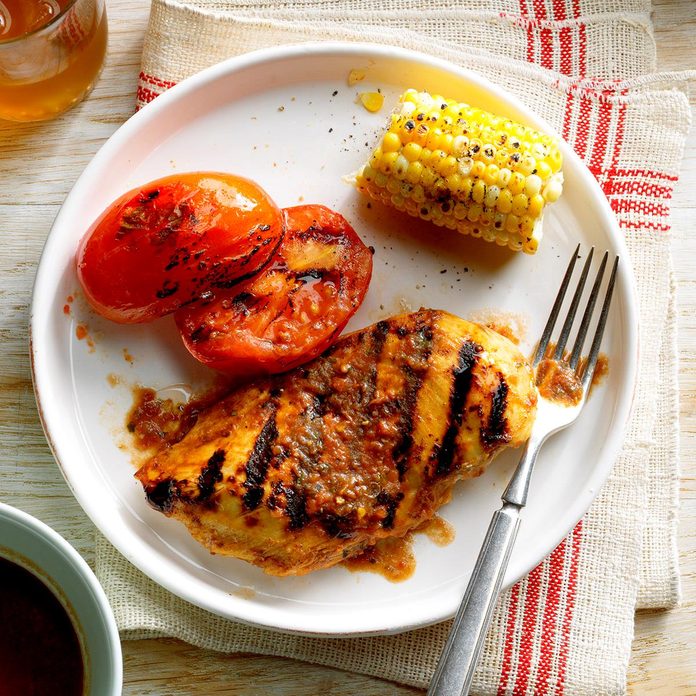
(38, 165)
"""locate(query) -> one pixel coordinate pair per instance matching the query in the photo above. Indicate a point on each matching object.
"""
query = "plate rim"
(271, 617)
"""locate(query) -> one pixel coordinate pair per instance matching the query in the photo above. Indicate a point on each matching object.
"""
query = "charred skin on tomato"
(165, 244)
(364, 442)
(293, 310)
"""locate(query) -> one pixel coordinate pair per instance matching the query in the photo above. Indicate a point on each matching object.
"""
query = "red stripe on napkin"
(598, 152)
(524, 11)
(559, 10)
(623, 205)
(582, 39)
(550, 619)
(539, 9)
(566, 44)
(532, 612)
(640, 183)
(155, 81)
(576, 541)
(149, 87)
(646, 173)
(567, 120)
(583, 127)
(540, 33)
(645, 225)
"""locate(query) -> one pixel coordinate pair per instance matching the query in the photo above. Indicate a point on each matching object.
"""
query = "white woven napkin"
(567, 627)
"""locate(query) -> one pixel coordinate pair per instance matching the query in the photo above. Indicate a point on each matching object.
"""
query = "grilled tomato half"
(164, 244)
(292, 311)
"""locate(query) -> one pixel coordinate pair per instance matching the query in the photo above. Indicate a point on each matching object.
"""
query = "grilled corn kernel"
(516, 183)
(492, 195)
(543, 171)
(356, 75)
(490, 176)
(519, 204)
(372, 101)
(388, 162)
(478, 191)
(533, 185)
(504, 177)
(552, 190)
(412, 151)
(447, 166)
(391, 142)
(504, 203)
(401, 166)
(536, 204)
(415, 170)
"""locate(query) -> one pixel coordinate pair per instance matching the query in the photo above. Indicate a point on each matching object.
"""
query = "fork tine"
(551, 322)
(568, 324)
(587, 317)
(596, 342)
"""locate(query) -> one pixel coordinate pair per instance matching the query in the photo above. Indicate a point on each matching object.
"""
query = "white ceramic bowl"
(35, 546)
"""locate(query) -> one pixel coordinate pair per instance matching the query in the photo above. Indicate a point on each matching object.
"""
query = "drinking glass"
(51, 53)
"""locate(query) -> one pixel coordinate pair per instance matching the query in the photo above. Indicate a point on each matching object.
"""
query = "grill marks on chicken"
(260, 458)
(301, 470)
(495, 430)
(462, 375)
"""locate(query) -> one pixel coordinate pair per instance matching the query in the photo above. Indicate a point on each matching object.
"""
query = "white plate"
(286, 118)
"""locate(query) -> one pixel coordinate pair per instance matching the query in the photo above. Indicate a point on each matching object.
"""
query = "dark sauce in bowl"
(40, 650)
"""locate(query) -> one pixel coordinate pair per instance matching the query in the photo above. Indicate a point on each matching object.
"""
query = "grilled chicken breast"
(301, 470)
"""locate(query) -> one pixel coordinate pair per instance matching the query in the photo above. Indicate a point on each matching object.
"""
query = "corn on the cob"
(466, 169)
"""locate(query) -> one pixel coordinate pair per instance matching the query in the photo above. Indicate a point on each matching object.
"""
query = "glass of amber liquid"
(51, 53)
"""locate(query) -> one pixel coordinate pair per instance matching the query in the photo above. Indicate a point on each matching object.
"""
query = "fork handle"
(455, 670)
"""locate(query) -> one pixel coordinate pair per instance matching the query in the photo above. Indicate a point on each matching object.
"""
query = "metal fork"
(455, 670)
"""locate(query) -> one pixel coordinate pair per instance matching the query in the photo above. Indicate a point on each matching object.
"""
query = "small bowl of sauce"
(58, 636)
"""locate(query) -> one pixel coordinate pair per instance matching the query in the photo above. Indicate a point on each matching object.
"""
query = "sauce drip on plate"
(391, 557)
(438, 530)
(156, 422)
